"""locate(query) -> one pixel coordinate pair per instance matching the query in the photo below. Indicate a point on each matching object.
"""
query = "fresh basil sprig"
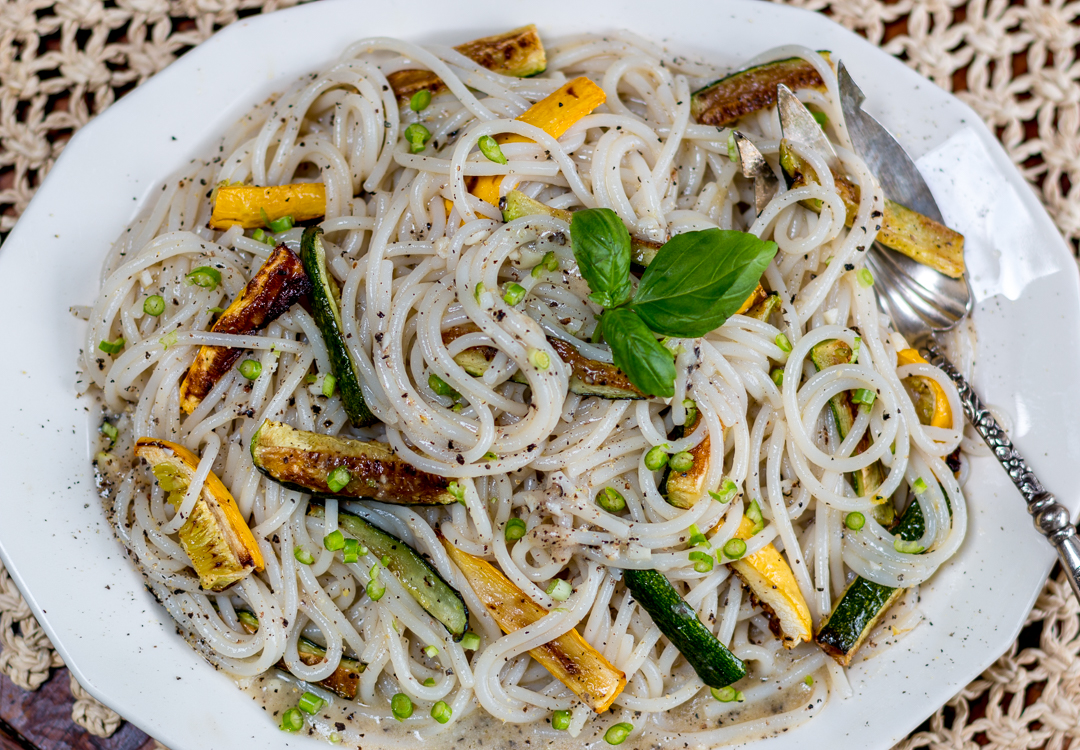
(646, 361)
(696, 282)
(602, 250)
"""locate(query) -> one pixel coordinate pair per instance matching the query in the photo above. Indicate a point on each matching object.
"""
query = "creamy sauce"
(351, 725)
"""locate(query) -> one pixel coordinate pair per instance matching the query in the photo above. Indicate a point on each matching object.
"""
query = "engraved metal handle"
(1051, 517)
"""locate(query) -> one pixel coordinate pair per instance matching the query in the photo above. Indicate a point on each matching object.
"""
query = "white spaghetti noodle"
(408, 270)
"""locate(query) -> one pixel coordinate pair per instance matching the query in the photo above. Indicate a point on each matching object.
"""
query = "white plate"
(124, 648)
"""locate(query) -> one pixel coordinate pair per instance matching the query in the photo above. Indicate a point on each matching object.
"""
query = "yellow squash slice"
(685, 488)
(216, 538)
(569, 657)
(773, 585)
(245, 204)
(931, 403)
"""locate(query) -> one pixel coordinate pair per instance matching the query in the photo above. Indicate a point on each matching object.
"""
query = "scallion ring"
(515, 529)
(855, 520)
(470, 641)
(337, 479)
(310, 703)
(112, 347)
(656, 458)
(334, 541)
(559, 590)
(489, 147)
(303, 556)
(611, 500)
(725, 694)
(350, 553)
(703, 561)
(154, 305)
(204, 276)
(251, 369)
(441, 712)
(734, 549)
(329, 384)
(514, 293)
(292, 720)
(561, 720)
(420, 100)
(617, 734)
(401, 706)
(417, 136)
(682, 461)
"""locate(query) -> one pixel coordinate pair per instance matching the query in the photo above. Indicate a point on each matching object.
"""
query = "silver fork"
(923, 302)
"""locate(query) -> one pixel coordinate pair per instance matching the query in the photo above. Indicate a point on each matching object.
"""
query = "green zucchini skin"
(731, 98)
(864, 602)
(716, 666)
(438, 598)
(829, 354)
(324, 309)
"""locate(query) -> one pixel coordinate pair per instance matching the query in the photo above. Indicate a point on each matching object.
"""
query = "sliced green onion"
(420, 100)
(559, 590)
(479, 291)
(515, 529)
(154, 305)
(428, 682)
(112, 347)
(550, 261)
(820, 118)
(611, 500)
(906, 547)
(431, 651)
(727, 493)
(251, 369)
(385, 561)
(919, 486)
(725, 694)
(375, 589)
(732, 149)
(682, 461)
(110, 431)
(441, 712)
(284, 224)
(809, 679)
(310, 703)
(350, 553)
(338, 478)
(470, 641)
(539, 359)
(691, 411)
(204, 276)
(696, 537)
(855, 350)
(441, 387)
(334, 541)
(457, 491)
(215, 310)
(754, 514)
(401, 706)
(866, 279)
(855, 520)
(656, 458)
(489, 147)
(703, 561)
(783, 343)
(514, 293)
(303, 556)
(617, 734)
(329, 383)
(417, 136)
(261, 235)
(734, 549)
(490, 456)
(864, 396)
(292, 720)
(561, 720)
(777, 376)
(167, 340)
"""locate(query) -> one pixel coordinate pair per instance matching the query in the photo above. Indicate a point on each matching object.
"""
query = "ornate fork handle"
(1051, 517)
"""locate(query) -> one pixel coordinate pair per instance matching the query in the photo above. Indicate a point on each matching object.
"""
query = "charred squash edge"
(302, 460)
(733, 97)
(276, 286)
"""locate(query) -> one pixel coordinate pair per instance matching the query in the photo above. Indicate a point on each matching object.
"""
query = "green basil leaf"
(700, 279)
(602, 249)
(650, 366)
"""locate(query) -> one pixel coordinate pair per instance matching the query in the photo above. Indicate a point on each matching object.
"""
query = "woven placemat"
(1015, 62)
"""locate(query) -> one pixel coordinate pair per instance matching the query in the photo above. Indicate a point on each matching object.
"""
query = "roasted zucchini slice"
(919, 237)
(829, 354)
(715, 665)
(326, 311)
(303, 461)
(773, 586)
(344, 681)
(587, 378)
(733, 97)
(570, 658)
(685, 488)
(764, 308)
(438, 598)
(251, 206)
(864, 602)
(276, 286)
(518, 53)
(215, 536)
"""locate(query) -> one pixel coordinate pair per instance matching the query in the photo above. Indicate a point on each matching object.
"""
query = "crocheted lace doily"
(1014, 61)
